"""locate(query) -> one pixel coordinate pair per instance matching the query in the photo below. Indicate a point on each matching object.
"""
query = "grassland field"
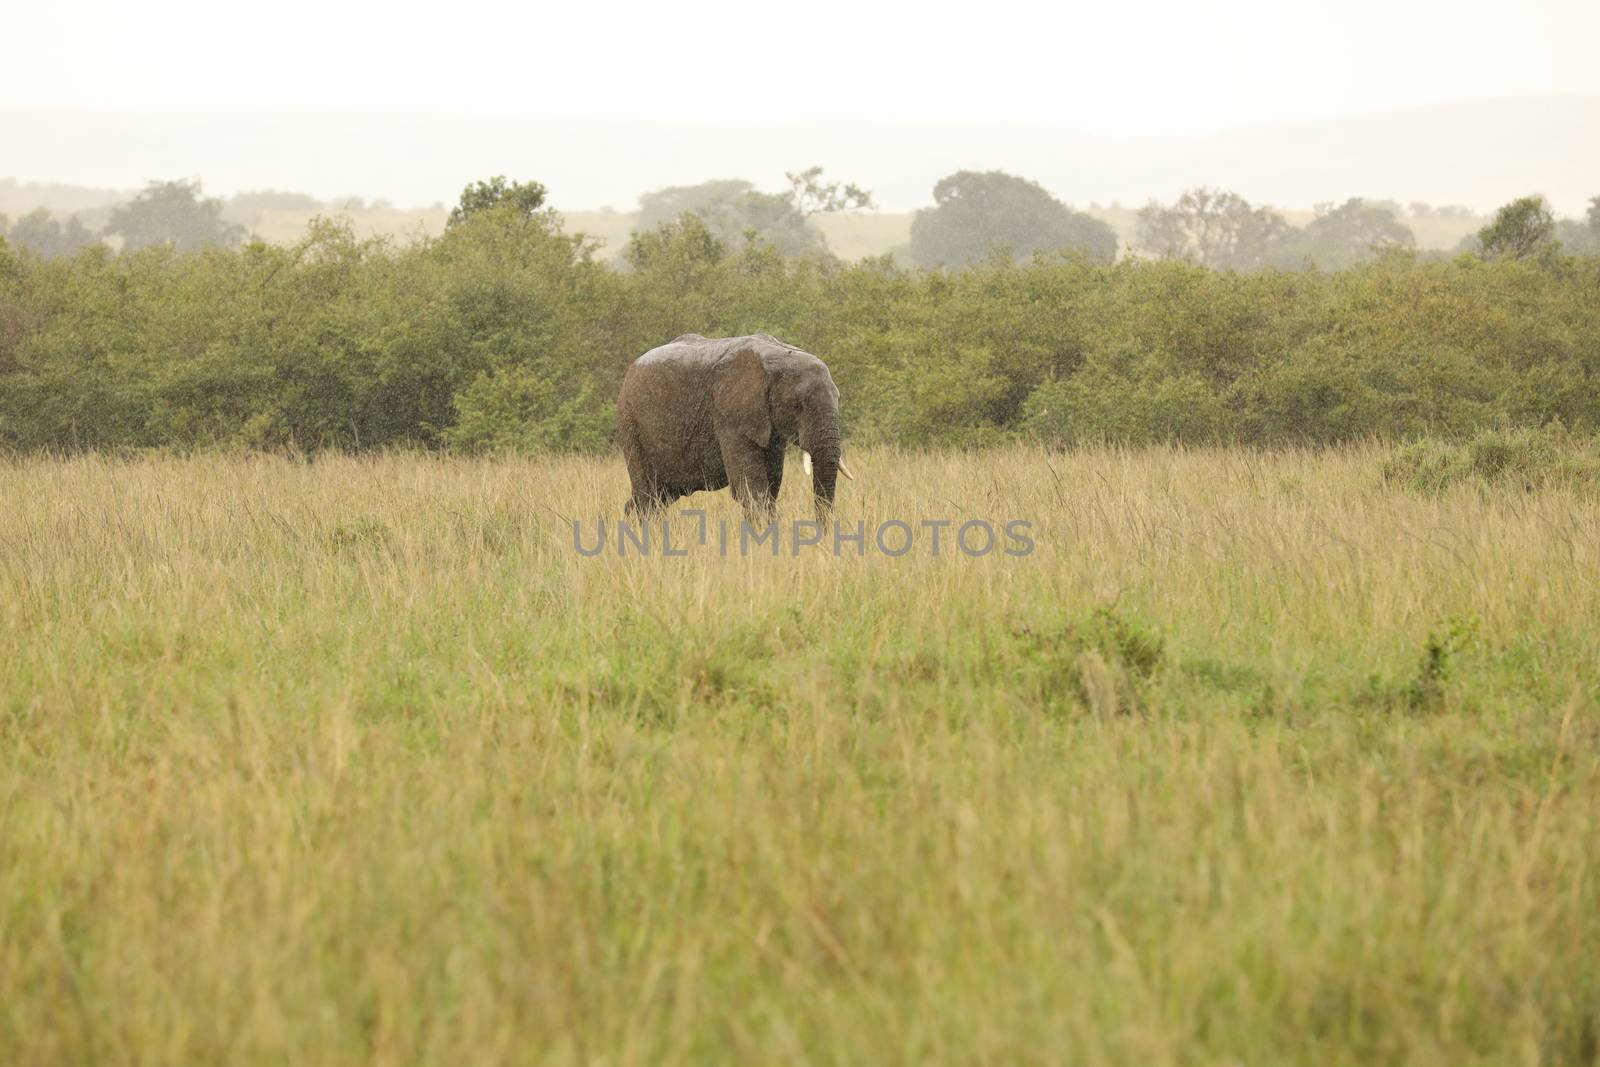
(1257, 758)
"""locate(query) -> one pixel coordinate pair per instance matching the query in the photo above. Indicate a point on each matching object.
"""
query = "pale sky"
(1122, 69)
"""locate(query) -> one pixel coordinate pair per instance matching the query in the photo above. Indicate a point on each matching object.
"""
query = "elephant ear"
(739, 396)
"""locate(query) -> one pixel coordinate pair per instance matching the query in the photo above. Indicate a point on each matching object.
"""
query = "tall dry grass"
(1256, 759)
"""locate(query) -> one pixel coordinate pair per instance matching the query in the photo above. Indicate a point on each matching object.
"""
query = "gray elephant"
(704, 413)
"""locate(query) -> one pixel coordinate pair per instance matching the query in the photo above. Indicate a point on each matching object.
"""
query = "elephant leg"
(647, 503)
(774, 471)
(746, 465)
(647, 496)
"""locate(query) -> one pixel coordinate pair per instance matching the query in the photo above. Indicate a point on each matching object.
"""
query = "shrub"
(1529, 458)
(507, 332)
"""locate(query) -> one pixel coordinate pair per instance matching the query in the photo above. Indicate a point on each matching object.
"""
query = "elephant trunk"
(823, 445)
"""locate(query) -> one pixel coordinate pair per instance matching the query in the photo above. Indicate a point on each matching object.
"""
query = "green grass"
(1529, 459)
(1257, 759)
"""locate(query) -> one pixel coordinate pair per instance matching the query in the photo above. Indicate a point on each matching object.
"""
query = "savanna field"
(1265, 757)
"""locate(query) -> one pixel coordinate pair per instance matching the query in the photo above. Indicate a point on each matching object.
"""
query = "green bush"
(1527, 458)
(506, 332)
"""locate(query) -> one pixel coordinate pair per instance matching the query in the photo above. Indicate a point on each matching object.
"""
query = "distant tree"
(527, 198)
(707, 201)
(1521, 228)
(1581, 236)
(771, 218)
(1342, 236)
(173, 213)
(673, 246)
(736, 213)
(1577, 237)
(1213, 227)
(1418, 209)
(809, 195)
(42, 234)
(975, 212)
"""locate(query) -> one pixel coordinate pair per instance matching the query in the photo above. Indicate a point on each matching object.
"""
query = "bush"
(1527, 458)
(520, 410)
(507, 332)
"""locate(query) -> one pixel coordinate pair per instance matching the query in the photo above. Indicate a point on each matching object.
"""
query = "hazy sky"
(1130, 69)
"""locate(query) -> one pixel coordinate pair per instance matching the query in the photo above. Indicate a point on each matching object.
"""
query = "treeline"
(974, 216)
(506, 332)
(1219, 228)
(176, 213)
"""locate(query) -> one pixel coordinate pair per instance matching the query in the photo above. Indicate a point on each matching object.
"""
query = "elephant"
(708, 413)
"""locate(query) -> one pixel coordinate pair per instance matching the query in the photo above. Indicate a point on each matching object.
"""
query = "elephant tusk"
(805, 461)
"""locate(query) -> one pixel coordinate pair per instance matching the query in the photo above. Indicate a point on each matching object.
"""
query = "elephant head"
(803, 405)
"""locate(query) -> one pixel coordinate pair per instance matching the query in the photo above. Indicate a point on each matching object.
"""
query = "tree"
(175, 214)
(1212, 227)
(1581, 236)
(974, 213)
(1577, 237)
(736, 213)
(809, 195)
(770, 218)
(1342, 236)
(43, 235)
(675, 245)
(707, 200)
(1520, 229)
(526, 198)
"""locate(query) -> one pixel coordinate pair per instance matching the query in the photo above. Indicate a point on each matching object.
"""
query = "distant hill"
(1475, 153)
(92, 206)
